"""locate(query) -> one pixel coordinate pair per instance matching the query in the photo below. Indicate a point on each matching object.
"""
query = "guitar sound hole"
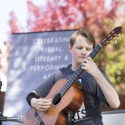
(56, 99)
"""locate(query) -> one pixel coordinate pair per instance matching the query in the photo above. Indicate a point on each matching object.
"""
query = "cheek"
(89, 53)
(73, 51)
(74, 54)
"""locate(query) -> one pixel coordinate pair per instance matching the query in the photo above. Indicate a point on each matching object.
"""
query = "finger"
(50, 99)
(89, 58)
(44, 107)
(46, 104)
(86, 60)
(47, 100)
(84, 67)
(43, 110)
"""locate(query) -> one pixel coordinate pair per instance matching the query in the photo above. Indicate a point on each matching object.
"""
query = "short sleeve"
(46, 86)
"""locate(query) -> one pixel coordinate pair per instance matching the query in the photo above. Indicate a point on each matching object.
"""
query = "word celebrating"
(51, 49)
(50, 40)
(47, 58)
(46, 67)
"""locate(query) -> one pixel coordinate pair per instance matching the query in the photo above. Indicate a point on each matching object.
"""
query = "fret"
(95, 51)
(71, 81)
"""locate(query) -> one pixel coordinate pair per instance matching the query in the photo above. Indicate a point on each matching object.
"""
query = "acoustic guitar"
(66, 94)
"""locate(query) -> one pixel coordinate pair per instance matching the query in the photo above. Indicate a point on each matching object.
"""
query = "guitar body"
(57, 114)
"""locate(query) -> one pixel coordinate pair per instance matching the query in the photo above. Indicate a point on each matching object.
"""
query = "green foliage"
(112, 60)
(92, 15)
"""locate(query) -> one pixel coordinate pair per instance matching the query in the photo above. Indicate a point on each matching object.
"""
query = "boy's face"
(80, 50)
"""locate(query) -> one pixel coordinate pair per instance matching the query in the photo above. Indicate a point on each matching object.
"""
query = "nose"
(83, 51)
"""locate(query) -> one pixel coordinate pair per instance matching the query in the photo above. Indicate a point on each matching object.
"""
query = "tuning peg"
(116, 41)
(109, 43)
(120, 38)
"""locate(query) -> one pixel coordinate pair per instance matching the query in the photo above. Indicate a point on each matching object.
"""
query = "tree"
(93, 15)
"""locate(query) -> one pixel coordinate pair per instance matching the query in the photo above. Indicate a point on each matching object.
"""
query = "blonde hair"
(84, 33)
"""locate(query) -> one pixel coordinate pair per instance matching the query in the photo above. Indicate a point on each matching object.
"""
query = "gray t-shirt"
(90, 111)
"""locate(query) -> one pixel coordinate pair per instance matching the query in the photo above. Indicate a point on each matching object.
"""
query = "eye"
(79, 48)
(88, 49)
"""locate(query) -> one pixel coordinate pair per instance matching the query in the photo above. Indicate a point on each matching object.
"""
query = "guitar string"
(77, 72)
(38, 119)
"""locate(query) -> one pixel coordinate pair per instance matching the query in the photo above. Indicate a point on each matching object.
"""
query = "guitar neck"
(78, 72)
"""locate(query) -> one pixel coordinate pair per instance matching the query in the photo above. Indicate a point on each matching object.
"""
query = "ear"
(69, 47)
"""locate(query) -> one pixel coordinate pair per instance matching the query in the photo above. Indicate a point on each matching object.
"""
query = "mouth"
(82, 57)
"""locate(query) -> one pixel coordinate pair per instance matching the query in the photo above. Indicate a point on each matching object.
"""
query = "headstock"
(115, 32)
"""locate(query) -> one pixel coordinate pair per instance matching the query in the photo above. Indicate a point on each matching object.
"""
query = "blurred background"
(98, 16)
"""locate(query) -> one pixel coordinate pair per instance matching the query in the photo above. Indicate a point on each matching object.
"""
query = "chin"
(79, 63)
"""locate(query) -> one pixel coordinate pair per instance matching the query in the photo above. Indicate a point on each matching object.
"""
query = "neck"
(75, 66)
